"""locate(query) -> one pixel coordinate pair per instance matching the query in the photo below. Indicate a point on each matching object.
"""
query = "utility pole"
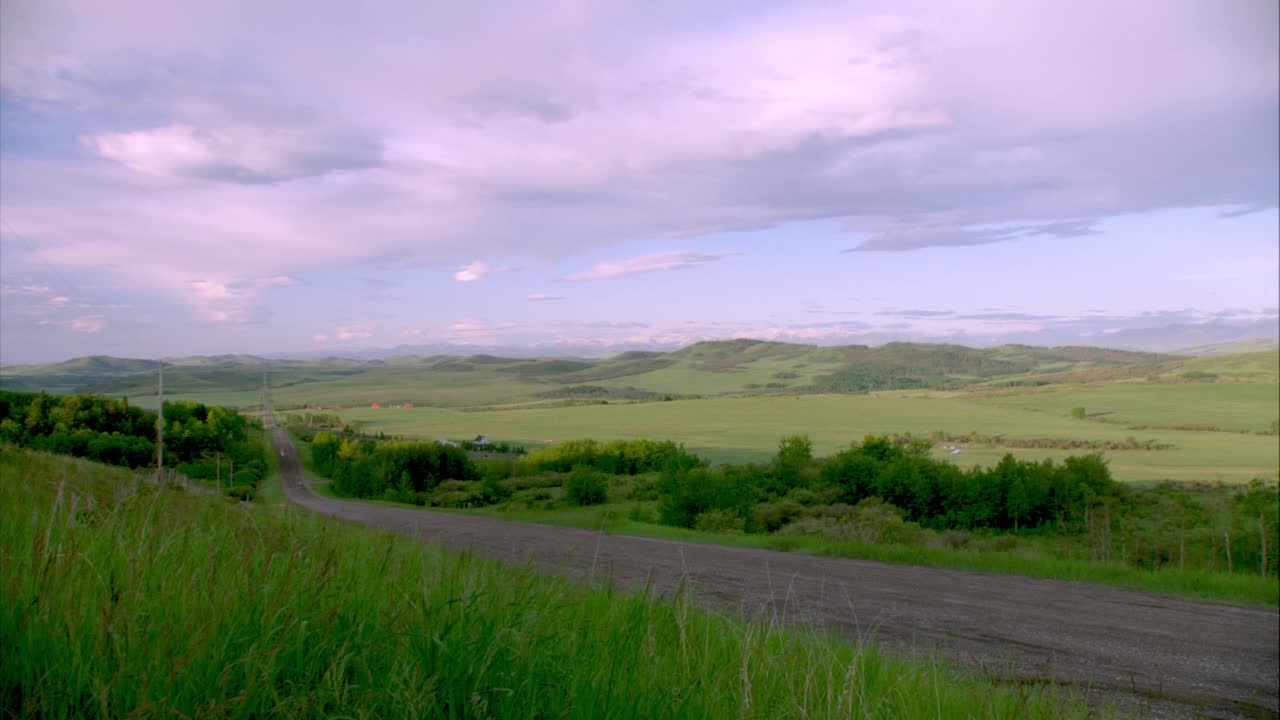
(160, 428)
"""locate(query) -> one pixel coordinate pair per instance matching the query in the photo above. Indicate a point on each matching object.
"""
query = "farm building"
(481, 441)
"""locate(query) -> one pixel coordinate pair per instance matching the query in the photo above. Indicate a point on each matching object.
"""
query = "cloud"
(228, 302)
(82, 324)
(542, 297)
(471, 330)
(913, 238)
(27, 289)
(274, 281)
(915, 313)
(242, 155)
(353, 332)
(1016, 316)
(192, 149)
(919, 125)
(678, 260)
(478, 269)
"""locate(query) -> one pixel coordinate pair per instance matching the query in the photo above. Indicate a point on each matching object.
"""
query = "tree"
(586, 487)
(795, 452)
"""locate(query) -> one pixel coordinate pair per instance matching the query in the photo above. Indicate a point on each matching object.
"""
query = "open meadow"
(1213, 417)
(740, 429)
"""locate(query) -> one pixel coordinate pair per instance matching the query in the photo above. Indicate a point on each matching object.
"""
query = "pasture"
(1227, 406)
(1209, 409)
(739, 429)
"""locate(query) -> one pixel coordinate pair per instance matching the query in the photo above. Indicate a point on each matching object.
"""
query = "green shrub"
(770, 517)
(586, 487)
(642, 514)
(243, 493)
(686, 494)
(543, 480)
(643, 489)
(719, 521)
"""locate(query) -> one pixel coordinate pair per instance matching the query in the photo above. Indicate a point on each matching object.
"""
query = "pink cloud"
(478, 269)
(647, 263)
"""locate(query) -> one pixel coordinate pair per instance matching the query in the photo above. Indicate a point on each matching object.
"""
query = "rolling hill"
(708, 368)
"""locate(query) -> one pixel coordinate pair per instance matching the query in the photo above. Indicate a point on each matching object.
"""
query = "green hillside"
(730, 367)
(1263, 366)
(1231, 348)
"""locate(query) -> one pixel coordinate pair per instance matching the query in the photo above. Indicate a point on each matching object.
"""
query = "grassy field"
(124, 599)
(748, 428)
(247, 400)
(1228, 406)
(516, 399)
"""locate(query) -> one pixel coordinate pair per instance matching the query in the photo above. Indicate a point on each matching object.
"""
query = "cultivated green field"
(1227, 406)
(748, 428)
(240, 399)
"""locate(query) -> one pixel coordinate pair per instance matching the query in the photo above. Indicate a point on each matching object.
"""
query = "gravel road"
(1150, 655)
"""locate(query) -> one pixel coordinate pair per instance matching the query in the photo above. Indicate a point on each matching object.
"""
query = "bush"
(529, 498)
(686, 494)
(773, 516)
(719, 521)
(493, 491)
(956, 539)
(619, 457)
(642, 514)
(643, 489)
(244, 493)
(544, 480)
(871, 521)
(586, 487)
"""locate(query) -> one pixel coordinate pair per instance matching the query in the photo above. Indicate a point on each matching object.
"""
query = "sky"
(317, 177)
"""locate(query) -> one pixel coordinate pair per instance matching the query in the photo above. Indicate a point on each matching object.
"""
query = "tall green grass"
(122, 598)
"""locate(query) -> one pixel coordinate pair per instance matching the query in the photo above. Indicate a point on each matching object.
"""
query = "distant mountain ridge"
(708, 367)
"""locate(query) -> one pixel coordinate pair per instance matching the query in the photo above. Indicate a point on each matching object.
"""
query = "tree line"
(884, 480)
(372, 468)
(202, 442)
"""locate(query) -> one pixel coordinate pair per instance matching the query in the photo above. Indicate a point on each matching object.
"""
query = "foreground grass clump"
(123, 599)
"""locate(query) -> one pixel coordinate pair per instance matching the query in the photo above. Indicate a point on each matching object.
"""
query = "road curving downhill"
(1150, 655)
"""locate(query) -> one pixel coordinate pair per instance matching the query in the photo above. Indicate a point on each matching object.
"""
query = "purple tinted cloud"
(195, 148)
(678, 260)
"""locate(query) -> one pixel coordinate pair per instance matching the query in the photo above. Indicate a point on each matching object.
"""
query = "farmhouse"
(481, 441)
